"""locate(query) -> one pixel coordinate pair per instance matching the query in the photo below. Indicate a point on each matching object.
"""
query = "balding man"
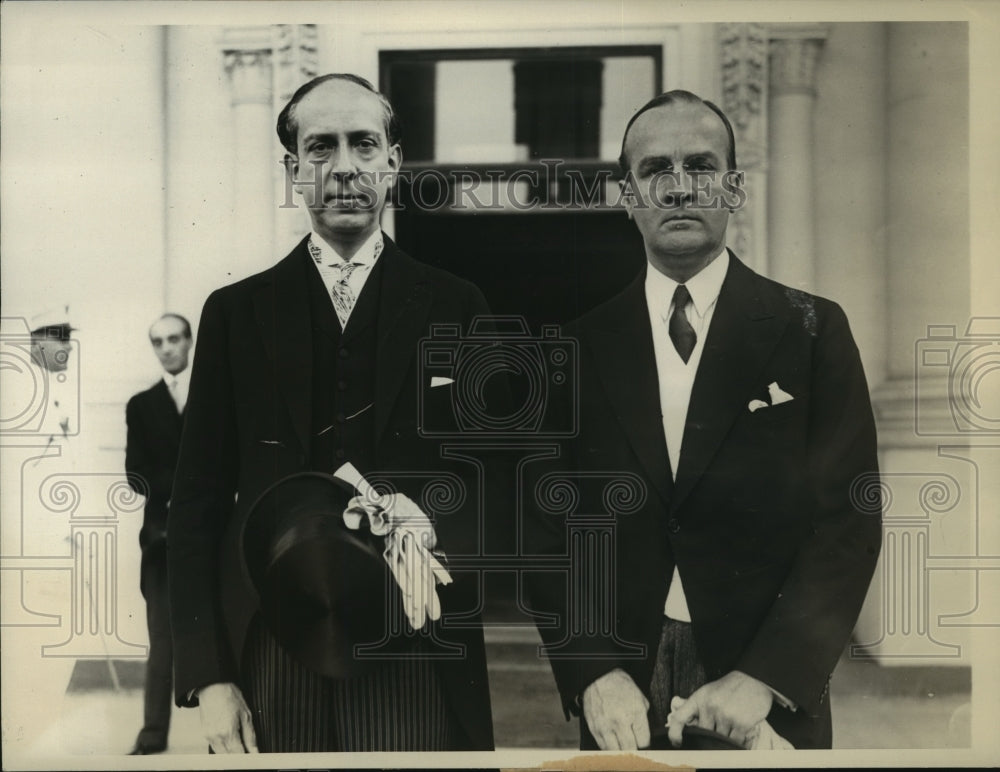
(742, 406)
(301, 368)
(154, 418)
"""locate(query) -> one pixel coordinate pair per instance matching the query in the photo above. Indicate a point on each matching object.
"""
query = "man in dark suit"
(303, 367)
(154, 419)
(742, 406)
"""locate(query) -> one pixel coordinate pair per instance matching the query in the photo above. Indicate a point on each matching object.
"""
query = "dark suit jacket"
(774, 539)
(154, 436)
(248, 424)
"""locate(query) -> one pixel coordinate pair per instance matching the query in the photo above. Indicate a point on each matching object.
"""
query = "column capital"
(247, 54)
(794, 52)
(296, 57)
(743, 54)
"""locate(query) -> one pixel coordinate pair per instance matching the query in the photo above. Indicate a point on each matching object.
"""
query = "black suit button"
(344, 353)
(672, 525)
(342, 385)
(340, 418)
(339, 453)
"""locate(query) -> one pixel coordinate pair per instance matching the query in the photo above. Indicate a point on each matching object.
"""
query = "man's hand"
(732, 706)
(615, 711)
(225, 719)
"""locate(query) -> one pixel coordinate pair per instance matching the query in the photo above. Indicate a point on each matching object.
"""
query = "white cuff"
(782, 700)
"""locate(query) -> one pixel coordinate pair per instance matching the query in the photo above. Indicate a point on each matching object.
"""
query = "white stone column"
(794, 52)
(849, 185)
(928, 228)
(247, 55)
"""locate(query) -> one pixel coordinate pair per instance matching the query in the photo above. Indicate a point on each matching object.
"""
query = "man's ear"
(395, 161)
(627, 196)
(291, 163)
(735, 192)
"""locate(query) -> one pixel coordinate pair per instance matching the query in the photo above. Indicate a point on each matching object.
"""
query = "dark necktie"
(681, 331)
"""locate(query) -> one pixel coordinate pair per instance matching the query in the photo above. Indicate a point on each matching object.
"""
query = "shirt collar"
(366, 255)
(183, 378)
(704, 286)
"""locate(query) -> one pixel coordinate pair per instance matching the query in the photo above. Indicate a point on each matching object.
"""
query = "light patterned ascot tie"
(341, 292)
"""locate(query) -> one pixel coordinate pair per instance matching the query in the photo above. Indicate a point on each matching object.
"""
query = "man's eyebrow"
(324, 135)
(653, 160)
(351, 135)
(706, 154)
(365, 134)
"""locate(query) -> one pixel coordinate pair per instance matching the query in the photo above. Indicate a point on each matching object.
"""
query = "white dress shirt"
(329, 258)
(178, 386)
(675, 377)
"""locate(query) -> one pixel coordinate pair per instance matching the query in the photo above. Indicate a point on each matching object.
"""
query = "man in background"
(154, 419)
(51, 349)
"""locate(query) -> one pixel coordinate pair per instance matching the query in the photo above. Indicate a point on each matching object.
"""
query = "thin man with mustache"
(300, 368)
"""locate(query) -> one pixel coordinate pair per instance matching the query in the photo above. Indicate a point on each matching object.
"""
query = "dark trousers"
(678, 673)
(400, 706)
(159, 666)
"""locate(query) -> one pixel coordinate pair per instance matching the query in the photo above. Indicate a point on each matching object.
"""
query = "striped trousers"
(678, 671)
(400, 706)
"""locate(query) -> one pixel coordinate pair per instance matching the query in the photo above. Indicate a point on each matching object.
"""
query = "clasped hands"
(735, 705)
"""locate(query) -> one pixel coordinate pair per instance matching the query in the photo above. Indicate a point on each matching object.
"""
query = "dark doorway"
(549, 268)
(548, 264)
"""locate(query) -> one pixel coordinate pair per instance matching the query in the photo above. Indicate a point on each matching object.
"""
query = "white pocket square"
(438, 380)
(777, 395)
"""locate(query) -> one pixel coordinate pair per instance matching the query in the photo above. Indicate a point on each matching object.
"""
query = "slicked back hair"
(179, 318)
(684, 97)
(288, 127)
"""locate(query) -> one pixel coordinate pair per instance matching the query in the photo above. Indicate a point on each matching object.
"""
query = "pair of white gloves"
(409, 544)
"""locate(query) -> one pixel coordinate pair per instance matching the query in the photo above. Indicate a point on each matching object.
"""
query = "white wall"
(201, 158)
(849, 167)
(928, 178)
(83, 199)
(83, 224)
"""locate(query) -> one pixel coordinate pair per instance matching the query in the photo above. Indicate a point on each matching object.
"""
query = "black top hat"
(693, 738)
(323, 589)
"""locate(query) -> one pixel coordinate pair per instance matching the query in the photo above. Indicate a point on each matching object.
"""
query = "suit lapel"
(282, 314)
(404, 304)
(165, 414)
(742, 335)
(623, 349)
